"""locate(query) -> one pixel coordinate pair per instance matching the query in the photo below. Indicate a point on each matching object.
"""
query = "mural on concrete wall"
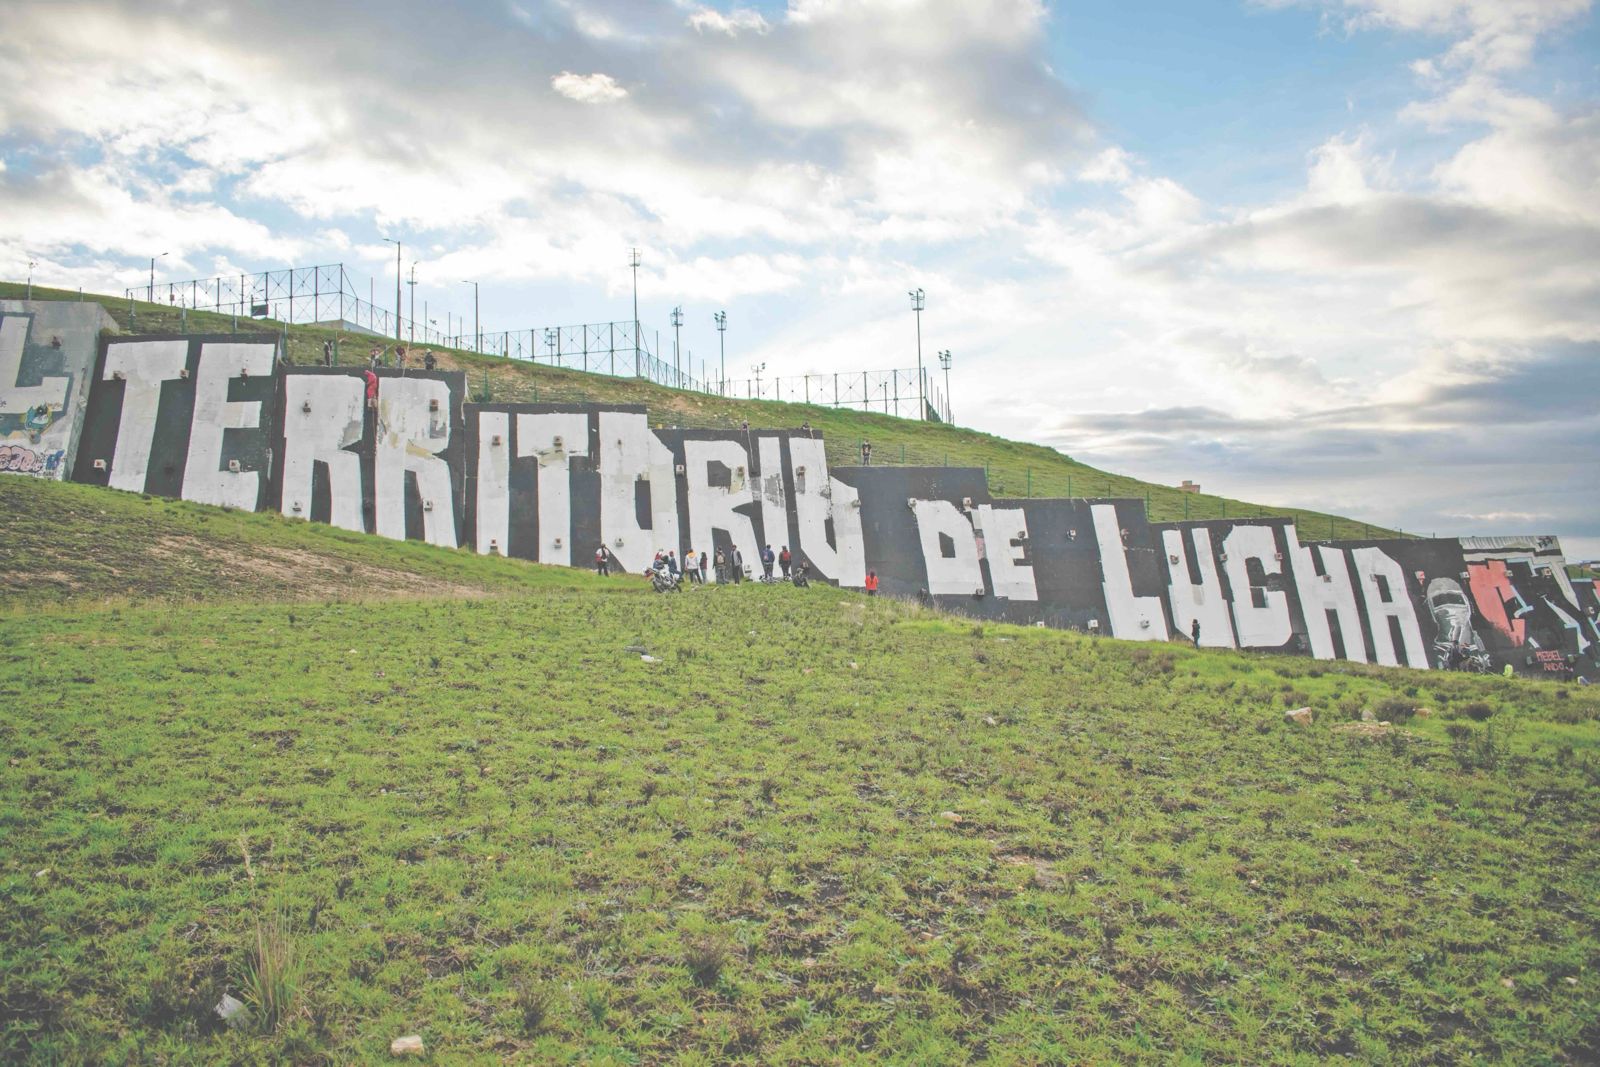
(401, 455)
(47, 351)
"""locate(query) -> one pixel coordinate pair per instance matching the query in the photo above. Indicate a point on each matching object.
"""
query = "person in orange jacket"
(872, 583)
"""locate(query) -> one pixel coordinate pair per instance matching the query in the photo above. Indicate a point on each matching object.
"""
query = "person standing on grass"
(691, 566)
(400, 357)
(767, 560)
(737, 562)
(602, 562)
(672, 562)
(428, 362)
(866, 453)
(722, 567)
(784, 559)
(375, 358)
(872, 583)
(327, 353)
(705, 561)
(1194, 632)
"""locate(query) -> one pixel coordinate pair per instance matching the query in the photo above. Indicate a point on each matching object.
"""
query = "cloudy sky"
(1342, 254)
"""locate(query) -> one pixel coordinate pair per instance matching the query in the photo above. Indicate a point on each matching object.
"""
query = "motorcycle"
(662, 580)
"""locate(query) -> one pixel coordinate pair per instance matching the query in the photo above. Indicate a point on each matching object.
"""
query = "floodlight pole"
(32, 263)
(944, 361)
(399, 276)
(477, 331)
(150, 295)
(413, 284)
(677, 362)
(722, 349)
(917, 299)
(759, 368)
(633, 262)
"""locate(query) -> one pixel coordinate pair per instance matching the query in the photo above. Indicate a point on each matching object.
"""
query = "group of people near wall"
(727, 564)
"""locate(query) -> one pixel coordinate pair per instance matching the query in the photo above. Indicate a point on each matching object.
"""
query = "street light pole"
(677, 362)
(150, 295)
(759, 368)
(477, 331)
(944, 361)
(722, 349)
(32, 263)
(399, 276)
(633, 261)
(917, 299)
(413, 284)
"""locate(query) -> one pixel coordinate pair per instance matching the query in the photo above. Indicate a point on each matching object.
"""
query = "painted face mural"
(214, 419)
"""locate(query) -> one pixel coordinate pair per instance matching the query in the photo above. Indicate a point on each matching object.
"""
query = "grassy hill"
(1015, 468)
(812, 828)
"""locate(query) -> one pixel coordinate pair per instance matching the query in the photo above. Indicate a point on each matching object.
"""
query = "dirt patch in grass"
(297, 574)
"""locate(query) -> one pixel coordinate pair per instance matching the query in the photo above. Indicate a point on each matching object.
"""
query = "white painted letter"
(1319, 596)
(555, 438)
(1268, 626)
(629, 454)
(322, 416)
(204, 480)
(819, 497)
(411, 434)
(1372, 564)
(1012, 578)
(711, 507)
(1205, 601)
(144, 365)
(957, 575)
(1133, 618)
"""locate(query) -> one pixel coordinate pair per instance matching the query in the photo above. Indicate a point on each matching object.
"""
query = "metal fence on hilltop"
(326, 296)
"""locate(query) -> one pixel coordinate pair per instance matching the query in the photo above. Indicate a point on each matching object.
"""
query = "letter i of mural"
(217, 420)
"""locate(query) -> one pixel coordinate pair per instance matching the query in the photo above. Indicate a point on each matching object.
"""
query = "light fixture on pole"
(399, 276)
(477, 331)
(944, 361)
(150, 296)
(32, 263)
(677, 360)
(918, 297)
(633, 262)
(722, 349)
(758, 369)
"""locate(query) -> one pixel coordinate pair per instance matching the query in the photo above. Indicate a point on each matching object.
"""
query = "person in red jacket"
(372, 387)
(872, 583)
(784, 559)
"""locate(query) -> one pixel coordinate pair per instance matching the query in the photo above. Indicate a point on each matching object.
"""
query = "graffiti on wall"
(401, 455)
(46, 348)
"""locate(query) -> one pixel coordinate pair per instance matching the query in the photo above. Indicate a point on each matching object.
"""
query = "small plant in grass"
(270, 978)
(1477, 711)
(533, 1002)
(705, 955)
(1396, 710)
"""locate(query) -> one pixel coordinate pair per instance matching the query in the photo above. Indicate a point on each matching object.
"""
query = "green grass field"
(1014, 468)
(816, 829)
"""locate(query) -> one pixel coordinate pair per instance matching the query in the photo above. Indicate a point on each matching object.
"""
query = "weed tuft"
(706, 955)
(270, 976)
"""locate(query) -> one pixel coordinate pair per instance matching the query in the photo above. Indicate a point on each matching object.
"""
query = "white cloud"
(705, 19)
(588, 88)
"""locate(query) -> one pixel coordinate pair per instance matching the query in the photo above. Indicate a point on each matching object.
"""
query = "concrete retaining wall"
(211, 419)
